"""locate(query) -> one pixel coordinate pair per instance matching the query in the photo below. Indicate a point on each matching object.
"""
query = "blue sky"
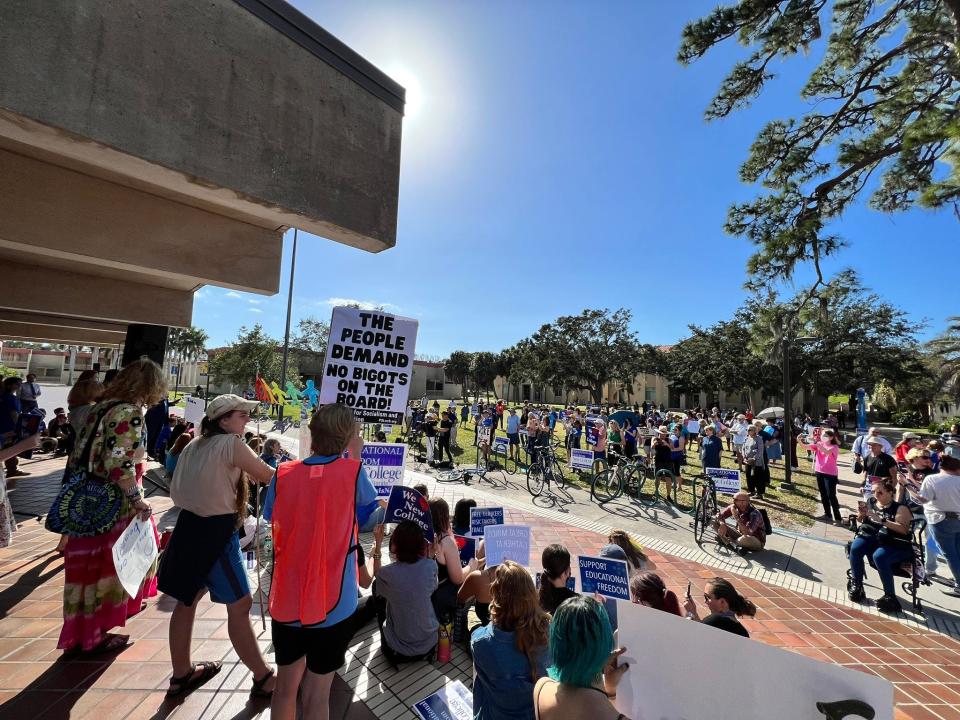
(555, 157)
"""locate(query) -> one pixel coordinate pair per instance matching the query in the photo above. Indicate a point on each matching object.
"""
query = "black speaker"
(149, 340)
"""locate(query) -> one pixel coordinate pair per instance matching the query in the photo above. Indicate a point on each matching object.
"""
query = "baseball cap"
(613, 551)
(874, 440)
(910, 436)
(223, 404)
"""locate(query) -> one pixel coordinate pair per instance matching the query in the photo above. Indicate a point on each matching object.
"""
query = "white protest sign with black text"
(193, 410)
(369, 363)
(729, 674)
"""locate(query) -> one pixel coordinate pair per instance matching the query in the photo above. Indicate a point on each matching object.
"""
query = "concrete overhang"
(169, 145)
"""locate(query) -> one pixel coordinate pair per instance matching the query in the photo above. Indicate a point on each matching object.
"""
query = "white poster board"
(193, 410)
(723, 664)
(134, 553)
(581, 459)
(369, 363)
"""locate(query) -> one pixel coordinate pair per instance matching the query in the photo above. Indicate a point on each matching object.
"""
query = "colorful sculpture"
(312, 394)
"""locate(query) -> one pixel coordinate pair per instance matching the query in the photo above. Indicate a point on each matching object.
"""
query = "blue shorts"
(227, 579)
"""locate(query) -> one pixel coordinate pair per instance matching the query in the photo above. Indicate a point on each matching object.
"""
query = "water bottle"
(443, 643)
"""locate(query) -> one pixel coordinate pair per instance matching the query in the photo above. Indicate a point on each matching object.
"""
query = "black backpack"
(767, 527)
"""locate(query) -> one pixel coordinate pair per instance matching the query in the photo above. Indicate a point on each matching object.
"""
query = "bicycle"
(543, 469)
(707, 510)
(627, 475)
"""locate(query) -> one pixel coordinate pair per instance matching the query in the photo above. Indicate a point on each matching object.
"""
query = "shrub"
(943, 426)
(906, 418)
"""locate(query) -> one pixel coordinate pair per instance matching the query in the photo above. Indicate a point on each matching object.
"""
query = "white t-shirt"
(942, 493)
(208, 470)
(739, 432)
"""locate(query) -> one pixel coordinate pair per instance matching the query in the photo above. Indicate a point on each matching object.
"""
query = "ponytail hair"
(648, 587)
(739, 605)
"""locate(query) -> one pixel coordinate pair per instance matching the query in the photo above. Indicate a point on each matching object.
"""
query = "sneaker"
(17, 473)
(888, 604)
(857, 594)
(952, 592)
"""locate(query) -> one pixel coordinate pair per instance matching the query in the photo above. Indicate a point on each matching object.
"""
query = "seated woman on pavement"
(585, 672)
(509, 654)
(725, 605)
(884, 535)
(553, 580)
(746, 527)
(450, 573)
(407, 620)
(646, 588)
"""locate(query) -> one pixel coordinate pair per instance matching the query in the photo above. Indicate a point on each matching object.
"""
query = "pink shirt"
(826, 457)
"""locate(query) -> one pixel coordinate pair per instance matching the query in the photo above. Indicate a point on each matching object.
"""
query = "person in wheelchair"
(884, 536)
(746, 529)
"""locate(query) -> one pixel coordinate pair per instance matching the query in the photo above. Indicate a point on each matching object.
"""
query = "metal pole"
(787, 483)
(286, 335)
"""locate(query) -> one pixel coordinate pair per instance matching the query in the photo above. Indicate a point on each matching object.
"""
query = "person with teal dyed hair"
(583, 679)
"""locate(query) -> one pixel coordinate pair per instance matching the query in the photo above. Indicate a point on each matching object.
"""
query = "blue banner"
(467, 547)
(407, 504)
(606, 577)
(480, 517)
(590, 430)
(507, 542)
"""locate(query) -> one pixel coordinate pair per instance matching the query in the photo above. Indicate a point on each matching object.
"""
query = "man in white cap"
(877, 465)
(861, 450)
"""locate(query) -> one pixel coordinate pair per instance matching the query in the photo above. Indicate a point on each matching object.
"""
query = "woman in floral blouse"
(94, 601)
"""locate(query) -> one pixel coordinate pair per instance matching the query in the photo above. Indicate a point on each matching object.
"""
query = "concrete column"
(94, 356)
(73, 360)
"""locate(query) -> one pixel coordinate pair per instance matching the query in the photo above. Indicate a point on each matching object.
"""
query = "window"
(650, 394)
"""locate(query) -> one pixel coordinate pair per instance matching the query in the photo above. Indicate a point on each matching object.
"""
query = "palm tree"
(186, 344)
(946, 348)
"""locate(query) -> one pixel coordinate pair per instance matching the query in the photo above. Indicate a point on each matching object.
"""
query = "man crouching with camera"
(741, 524)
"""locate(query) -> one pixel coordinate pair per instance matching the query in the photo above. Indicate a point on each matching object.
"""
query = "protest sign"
(369, 363)
(467, 547)
(726, 481)
(692, 650)
(581, 459)
(407, 504)
(507, 542)
(480, 517)
(607, 577)
(452, 702)
(611, 607)
(384, 464)
(501, 445)
(590, 429)
(693, 427)
(193, 410)
(134, 553)
(483, 434)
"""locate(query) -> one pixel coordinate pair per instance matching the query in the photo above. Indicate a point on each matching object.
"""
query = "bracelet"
(132, 492)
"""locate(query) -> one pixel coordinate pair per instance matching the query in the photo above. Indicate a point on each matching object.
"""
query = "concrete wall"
(207, 101)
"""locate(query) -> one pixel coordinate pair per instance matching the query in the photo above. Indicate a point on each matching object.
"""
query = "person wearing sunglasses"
(725, 605)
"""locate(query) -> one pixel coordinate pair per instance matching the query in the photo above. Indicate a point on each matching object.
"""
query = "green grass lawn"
(791, 509)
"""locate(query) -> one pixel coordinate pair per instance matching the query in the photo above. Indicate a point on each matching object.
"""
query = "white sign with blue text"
(581, 459)
(481, 517)
(507, 542)
(501, 445)
(384, 463)
(451, 702)
(726, 481)
(607, 577)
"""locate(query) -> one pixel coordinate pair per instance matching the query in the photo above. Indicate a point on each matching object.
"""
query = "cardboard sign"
(606, 577)
(581, 459)
(451, 702)
(693, 427)
(507, 542)
(133, 554)
(467, 547)
(384, 463)
(726, 481)
(369, 363)
(481, 517)
(193, 410)
(691, 650)
(407, 504)
(501, 445)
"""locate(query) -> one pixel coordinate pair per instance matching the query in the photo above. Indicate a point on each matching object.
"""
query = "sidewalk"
(34, 682)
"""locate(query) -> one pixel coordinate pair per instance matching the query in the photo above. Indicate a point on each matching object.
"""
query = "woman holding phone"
(826, 451)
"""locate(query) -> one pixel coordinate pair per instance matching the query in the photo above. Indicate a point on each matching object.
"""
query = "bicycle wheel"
(558, 473)
(510, 465)
(646, 486)
(606, 485)
(599, 465)
(535, 478)
(685, 494)
(703, 520)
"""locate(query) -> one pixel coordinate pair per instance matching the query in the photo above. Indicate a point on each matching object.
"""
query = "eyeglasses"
(707, 597)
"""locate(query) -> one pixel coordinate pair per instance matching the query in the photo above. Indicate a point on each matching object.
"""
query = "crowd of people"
(539, 647)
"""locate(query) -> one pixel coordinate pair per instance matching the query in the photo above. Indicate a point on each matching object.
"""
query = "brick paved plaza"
(35, 682)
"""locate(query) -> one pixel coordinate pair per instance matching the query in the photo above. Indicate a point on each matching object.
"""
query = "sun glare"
(411, 83)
